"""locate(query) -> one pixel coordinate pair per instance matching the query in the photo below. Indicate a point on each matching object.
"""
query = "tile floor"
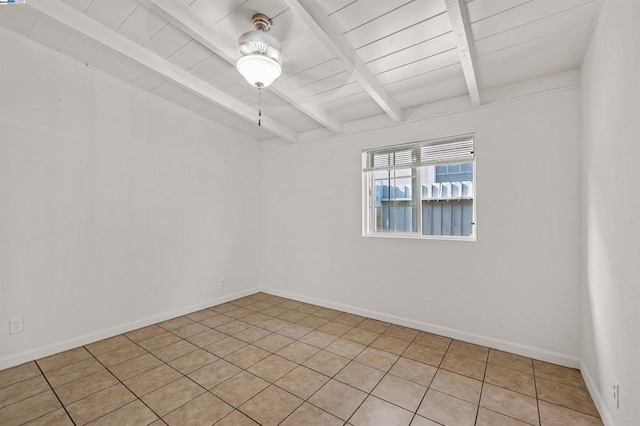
(267, 360)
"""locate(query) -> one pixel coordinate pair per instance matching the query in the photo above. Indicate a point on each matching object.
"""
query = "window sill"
(422, 237)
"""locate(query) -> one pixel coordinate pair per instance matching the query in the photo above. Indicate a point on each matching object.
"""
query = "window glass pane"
(447, 199)
(394, 202)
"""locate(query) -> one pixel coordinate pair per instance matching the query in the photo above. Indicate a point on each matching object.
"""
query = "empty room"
(320, 212)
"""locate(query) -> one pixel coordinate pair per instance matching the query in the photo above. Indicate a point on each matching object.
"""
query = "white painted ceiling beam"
(178, 14)
(462, 34)
(88, 27)
(328, 34)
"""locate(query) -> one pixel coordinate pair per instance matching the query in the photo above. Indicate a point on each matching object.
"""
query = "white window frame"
(453, 158)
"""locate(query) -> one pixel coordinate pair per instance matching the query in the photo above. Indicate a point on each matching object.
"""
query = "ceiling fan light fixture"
(260, 60)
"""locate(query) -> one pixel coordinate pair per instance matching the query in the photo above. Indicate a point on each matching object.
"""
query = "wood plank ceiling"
(344, 60)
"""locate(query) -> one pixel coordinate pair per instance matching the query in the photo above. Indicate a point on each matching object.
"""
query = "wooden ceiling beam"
(331, 37)
(82, 24)
(462, 34)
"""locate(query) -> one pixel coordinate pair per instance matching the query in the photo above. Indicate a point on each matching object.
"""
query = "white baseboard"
(596, 395)
(503, 345)
(55, 348)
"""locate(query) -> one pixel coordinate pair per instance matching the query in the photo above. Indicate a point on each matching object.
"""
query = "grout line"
(54, 392)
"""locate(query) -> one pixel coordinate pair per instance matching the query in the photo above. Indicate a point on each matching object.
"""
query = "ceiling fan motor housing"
(260, 62)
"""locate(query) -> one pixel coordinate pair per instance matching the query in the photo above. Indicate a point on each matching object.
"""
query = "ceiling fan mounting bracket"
(261, 22)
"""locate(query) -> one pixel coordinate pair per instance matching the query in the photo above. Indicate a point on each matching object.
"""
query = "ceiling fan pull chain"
(259, 106)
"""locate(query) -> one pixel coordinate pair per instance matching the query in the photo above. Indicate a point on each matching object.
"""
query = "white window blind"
(450, 150)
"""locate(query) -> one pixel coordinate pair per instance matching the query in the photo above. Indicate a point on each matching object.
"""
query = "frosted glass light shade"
(259, 70)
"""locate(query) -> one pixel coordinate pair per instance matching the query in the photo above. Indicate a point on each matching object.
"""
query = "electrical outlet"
(223, 281)
(285, 280)
(616, 392)
(16, 325)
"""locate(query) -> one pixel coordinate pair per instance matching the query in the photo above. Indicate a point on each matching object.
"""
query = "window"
(421, 190)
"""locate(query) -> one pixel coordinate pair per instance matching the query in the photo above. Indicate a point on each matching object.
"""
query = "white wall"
(116, 207)
(611, 205)
(515, 288)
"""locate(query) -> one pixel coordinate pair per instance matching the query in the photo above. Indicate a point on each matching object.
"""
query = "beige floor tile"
(206, 338)
(99, 404)
(190, 330)
(158, 341)
(361, 336)
(252, 334)
(201, 315)
(399, 332)
(244, 302)
(309, 415)
(239, 313)
(349, 319)
(374, 325)
(55, 418)
(377, 359)
(511, 361)
(469, 350)
(151, 380)
(360, 376)
(376, 412)
(295, 331)
(338, 399)
(433, 341)
(271, 406)
(169, 397)
(510, 379)
(223, 308)
(63, 359)
(88, 385)
(567, 396)
(174, 323)
(216, 321)
(18, 373)
(145, 333)
(447, 410)
(274, 311)
(308, 309)
(73, 372)
(134, 413)
(291, 304)
(346, 348)
(463, 365)
(298, 352)
(213, 374)
(236, 418)
(390, 344)
(22, 390)
(558, 373)
(29, 409)
(225, 346)
(258, 306)
(421, 421)
(327, 313)
(326, 363)
(335, 328)
(174, 350)
(135, 366)
(272, 368)
(319, 339)
(233, 327)
(554, 415)
(121, 354)
(302, 382)
(273, 342)
(292, 316)
(256, 318)
(491, 418)
(240, 388)
(192, 361)
(203, 410)
(274, 324)
(247, 356)
(414, 371)
(107, 345)
(424, 354)
(399, 391)
(459, 386)
(510, 403)
(312, 322)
